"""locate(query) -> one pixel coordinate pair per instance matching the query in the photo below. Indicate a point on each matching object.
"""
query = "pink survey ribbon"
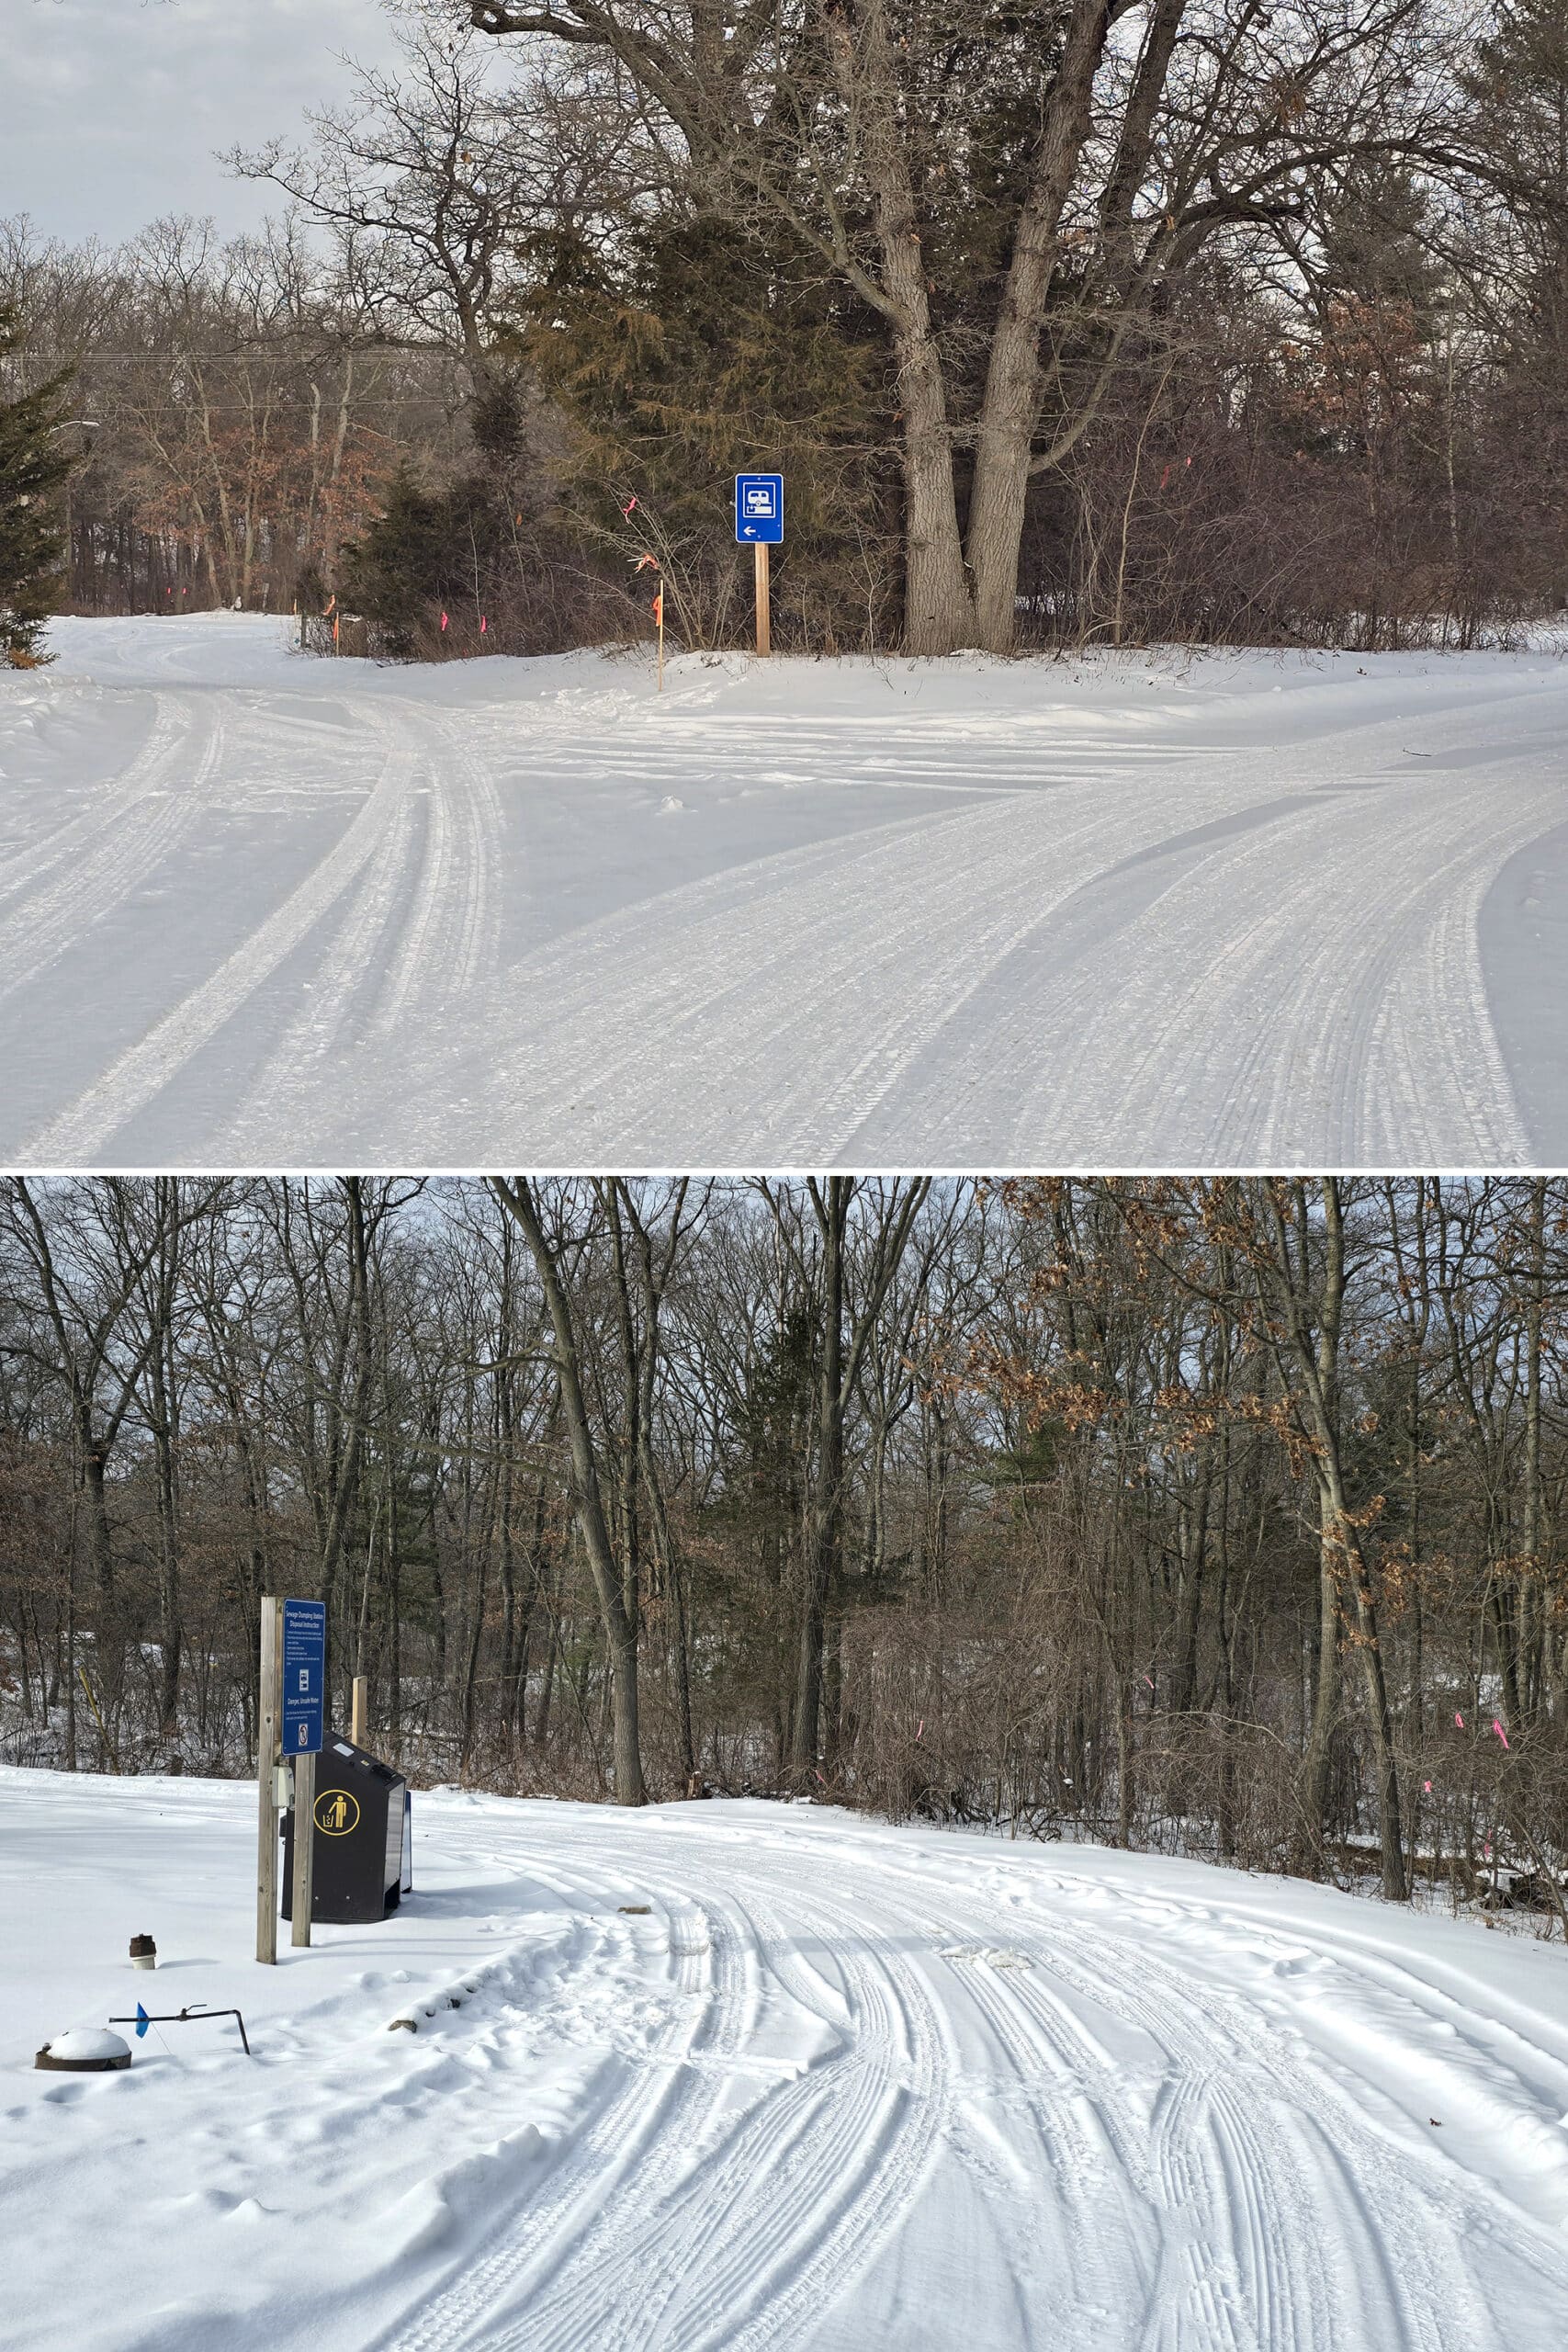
(1500, 1732)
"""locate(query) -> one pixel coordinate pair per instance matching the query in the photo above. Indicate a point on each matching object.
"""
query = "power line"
(163, 359)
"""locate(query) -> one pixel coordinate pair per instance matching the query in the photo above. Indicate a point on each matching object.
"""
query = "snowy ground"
(1277, 910)
(736, 2075)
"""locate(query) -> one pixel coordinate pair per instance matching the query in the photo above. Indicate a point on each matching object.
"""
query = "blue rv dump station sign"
(758, 510)
(304, 1676)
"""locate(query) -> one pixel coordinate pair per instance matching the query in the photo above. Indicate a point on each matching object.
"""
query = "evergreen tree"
(403, 562)
(469, 565)
(35, 460)
(698, 348)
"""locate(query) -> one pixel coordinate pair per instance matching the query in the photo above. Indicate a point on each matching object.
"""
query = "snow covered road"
(736, 2075)
(1269, 909)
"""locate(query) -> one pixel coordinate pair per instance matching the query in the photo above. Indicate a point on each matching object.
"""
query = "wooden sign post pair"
(292, 1710)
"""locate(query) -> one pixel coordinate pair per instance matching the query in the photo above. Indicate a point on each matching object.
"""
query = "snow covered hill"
(1268, 909)
(737, 2074)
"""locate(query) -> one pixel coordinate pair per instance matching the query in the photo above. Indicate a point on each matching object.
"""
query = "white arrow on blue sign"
(304, 1676)
(758, 510)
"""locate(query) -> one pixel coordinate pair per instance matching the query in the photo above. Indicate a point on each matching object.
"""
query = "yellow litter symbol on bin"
(336, 1812)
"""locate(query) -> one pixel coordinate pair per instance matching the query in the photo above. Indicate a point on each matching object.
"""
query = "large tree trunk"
(343, 1502)
(1325, 1707)
(837, 1371)
(1342, 1558)
(516, 1196)
(824, 1516)
(938, 610)
(1538, 1639)
(1010, 409)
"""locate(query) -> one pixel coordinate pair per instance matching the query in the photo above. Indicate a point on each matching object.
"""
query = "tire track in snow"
(344, 968)
(644, 2130)
(120, 848)
(793, 2240)
(450, 936)
(902, 922)
(1027, 2019)
(715, 1021)
(171, 723)
(1342, 1022)
(1230, 2169)
(142, 1070)
(794, 2200)
(1182, 2294)
(1319, 2138)
(1262, 1008)
(407, 956)
(1029, 2016)
(1256, 2203)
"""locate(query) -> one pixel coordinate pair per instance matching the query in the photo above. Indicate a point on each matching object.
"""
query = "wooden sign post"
(759, 524)
(267, 1781)
(290, 1722)
(361, 1718)
(764, 639)
(304, 1848)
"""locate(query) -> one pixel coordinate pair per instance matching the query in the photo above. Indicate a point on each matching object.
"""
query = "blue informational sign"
(304, 1676)
(758, 510)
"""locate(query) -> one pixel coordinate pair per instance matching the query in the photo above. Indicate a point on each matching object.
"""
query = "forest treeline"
(1117, 321)
(1223, 1516)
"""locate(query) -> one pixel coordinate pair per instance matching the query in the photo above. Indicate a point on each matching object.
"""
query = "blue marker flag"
(142, 2022)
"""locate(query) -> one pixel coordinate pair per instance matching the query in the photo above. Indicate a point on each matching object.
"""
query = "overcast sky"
(110, 109)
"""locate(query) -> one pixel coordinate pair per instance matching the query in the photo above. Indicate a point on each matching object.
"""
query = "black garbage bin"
(362, 1864)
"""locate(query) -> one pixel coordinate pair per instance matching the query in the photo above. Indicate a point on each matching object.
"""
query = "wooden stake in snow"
(266, 1779)
(764, 640)
(361, 1709)
(304, 1848)
(650, 563)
